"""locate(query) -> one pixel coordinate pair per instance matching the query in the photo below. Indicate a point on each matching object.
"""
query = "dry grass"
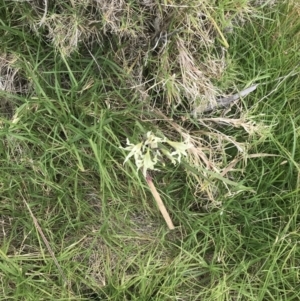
(11, 83)
(184, 67)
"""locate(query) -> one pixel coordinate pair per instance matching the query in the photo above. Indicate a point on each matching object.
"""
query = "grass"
(77, 78)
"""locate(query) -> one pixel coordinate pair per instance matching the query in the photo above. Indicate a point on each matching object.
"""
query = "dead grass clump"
(197, 86)
(11, 82)
(64, 32)
(171, 52)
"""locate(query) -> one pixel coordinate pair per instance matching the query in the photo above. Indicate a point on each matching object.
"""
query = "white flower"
(151, 151)
(148, 162)
(180, 148)
(168, 155)
(152, 141)
(135, 150)
(142, 159)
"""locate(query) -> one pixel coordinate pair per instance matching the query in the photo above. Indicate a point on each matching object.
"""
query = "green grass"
(66, 107)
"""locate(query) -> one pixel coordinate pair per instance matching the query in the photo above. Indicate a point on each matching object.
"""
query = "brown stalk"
(159, 202)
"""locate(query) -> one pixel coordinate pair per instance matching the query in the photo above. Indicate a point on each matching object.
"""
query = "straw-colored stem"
(160, 203)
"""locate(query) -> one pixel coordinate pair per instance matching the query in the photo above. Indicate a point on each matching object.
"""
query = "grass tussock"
(79, 78)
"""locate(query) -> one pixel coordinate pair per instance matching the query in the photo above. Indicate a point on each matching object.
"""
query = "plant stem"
(160, 203)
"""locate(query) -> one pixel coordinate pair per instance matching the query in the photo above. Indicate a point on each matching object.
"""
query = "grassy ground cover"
(79, 78)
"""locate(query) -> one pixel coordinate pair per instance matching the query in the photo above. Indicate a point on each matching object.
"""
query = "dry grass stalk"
(160, 203)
